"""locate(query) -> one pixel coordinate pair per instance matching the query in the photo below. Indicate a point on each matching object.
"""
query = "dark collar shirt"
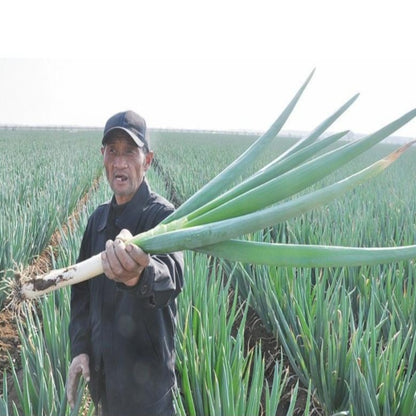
(128, 332)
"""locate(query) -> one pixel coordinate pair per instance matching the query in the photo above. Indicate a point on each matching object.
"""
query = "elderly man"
(123, 322)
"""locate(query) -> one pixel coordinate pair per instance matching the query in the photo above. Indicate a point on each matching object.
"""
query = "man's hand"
(124, 262)
(79, 365)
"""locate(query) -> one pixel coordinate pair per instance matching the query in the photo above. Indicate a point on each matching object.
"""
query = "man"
(123, 322)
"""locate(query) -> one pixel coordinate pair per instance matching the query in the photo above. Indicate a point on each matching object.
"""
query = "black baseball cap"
(130, 122)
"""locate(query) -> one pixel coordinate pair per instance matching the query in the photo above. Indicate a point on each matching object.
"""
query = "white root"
(59, 278)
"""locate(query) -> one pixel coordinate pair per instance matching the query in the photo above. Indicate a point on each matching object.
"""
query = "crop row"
(43, 175)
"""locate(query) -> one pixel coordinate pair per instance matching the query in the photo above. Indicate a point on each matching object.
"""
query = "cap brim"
(136, 138)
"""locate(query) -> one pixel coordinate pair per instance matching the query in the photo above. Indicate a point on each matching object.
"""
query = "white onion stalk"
(59, 278)
(209, 220)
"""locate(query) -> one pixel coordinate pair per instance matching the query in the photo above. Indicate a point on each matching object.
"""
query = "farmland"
(334, 340)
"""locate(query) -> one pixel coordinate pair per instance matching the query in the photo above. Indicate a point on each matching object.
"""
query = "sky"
(216, 65)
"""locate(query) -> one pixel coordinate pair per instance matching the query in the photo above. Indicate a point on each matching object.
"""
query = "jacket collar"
(129, 218)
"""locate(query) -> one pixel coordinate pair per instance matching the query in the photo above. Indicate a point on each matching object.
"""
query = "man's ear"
(149, 158)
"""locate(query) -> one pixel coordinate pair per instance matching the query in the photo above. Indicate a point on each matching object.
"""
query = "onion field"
(251, 339)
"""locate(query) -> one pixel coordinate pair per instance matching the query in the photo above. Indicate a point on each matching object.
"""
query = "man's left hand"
(124, 262)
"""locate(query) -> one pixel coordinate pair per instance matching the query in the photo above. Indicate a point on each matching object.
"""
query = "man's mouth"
(120, 178)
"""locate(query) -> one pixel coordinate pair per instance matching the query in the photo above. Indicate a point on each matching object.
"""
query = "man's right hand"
(79, 365)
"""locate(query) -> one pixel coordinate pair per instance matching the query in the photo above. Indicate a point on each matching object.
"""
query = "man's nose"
(120, 161)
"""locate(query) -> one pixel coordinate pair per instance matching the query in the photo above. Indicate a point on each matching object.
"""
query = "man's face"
(125, 165)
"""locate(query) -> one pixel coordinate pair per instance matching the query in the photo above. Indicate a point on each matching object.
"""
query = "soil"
(255, 334)
(9, 350)
(9, 340)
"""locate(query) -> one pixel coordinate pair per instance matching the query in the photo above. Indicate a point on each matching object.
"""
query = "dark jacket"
(128, 332)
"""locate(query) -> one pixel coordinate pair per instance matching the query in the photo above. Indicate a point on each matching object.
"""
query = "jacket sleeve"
(79, 331)
(160, 282)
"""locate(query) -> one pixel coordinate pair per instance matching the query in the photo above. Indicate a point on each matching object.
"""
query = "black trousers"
(163, 407)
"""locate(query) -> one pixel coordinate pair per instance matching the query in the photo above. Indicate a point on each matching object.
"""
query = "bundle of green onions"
(210, 220)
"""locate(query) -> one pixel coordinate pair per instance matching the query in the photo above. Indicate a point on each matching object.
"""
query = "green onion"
(211, 218)
(301, 255)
